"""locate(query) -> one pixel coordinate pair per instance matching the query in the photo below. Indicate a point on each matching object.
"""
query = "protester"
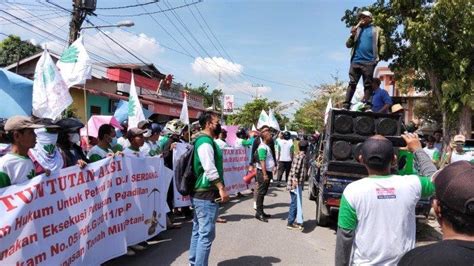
(243, 138)
(265, 166)
(431, 150)
(4, 145)
(151, 146)
(69, 142)
(368, 45)
(16, 167)
(459, 154)
(220, 140)
(285, 151)
(122, 142)
(381, 101)
(45, 155)
(107, 140)
(136, 139)
(208, 168)
(438, 135)
(454, 209)
(377, 223)
(298, 174)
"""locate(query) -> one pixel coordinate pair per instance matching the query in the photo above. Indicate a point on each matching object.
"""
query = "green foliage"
(210, 97)
(250, 112)
(310, 116)
(13, 49)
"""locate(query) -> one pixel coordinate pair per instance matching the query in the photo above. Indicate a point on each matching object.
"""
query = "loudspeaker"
(345, 133)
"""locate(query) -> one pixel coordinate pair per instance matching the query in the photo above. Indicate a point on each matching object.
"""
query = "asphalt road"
(243, 240)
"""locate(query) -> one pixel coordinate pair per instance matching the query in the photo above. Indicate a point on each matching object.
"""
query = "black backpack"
(184, 172)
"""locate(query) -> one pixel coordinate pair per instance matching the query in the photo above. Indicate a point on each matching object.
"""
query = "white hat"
(397, 107)
(459, 138)
(365, 13)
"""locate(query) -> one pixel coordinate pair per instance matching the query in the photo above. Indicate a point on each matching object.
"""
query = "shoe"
(254, 205)
(266, 215)
(221, 220)
(294, 227)
(261, 218)
(130, 252)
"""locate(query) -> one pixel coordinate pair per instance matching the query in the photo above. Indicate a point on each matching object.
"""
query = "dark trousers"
(283, 167)
(262, 189)
(366, 70)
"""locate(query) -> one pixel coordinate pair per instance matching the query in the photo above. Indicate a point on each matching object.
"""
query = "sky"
(271, 48)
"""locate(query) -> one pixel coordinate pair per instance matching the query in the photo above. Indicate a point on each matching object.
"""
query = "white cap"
(365, 13)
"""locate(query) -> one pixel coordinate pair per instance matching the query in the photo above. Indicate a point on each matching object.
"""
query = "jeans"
(204, 231)
(296, 208)
(262, 189)
(283, 167)
(366, 70)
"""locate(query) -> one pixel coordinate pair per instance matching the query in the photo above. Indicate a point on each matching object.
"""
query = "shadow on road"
(250, 260)
(237, 217)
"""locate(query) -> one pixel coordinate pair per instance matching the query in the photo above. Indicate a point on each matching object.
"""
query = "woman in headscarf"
(69, 142)
(45, 155)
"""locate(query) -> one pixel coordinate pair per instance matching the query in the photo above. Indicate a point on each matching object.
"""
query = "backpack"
(184, 172)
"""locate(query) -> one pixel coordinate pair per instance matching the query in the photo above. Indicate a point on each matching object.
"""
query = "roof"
(149, 70)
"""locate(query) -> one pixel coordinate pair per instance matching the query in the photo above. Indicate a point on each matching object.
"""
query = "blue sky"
(300, 43)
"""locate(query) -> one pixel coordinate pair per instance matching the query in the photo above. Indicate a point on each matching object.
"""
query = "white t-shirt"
(432, 152)
(265, 153)
(15, 169)
(284, 149)
(150, 148)
(467, 156)
(129, 152)
(381, 210)
(124, 142)
(96, 150)
(222, 144)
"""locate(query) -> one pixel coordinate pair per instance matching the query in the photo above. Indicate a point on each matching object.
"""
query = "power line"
(129, 6)
(146, 13)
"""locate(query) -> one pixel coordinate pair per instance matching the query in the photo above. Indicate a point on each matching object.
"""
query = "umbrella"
(96, 121)
(15, 94)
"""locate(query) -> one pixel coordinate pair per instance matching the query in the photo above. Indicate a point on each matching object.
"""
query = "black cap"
(377, 152)
(455, 187)
(70, 124)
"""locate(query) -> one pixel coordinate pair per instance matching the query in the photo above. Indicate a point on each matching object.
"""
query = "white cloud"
(215, 65)
(245, 88)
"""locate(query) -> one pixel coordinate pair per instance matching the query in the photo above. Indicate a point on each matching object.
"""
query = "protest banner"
(82, 216)
(235, 168)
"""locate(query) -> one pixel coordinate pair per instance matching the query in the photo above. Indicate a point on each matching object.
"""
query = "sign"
(228, 104)
(83, 216)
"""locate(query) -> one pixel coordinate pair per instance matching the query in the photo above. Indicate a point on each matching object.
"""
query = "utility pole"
(80, 10)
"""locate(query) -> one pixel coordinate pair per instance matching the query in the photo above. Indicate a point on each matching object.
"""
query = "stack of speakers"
(345, 133)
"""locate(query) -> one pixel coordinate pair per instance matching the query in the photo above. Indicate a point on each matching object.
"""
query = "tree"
(434, 39)
(211, 98)
(310, 116)
(13, 49)
(249, 113)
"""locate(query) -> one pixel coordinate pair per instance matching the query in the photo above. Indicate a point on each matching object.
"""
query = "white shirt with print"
(17, 168)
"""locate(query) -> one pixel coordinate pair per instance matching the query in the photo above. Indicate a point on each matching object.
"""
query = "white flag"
(135, 112)
(286, 129)
(184, 116)
(50, 93)
(273, 121)
(328, 108)
(262, 120)
(254, 128)
(75, 64)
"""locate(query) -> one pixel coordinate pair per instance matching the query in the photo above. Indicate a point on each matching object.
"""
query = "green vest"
(202, 182)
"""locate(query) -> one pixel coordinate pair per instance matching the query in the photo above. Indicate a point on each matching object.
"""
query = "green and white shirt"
(15, 169)
(97, 153)
(265, 154)
(381, 211)
(285, 149)
(433, 153)
(150, 148)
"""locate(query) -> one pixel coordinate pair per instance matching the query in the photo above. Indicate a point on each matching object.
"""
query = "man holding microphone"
(368, 45)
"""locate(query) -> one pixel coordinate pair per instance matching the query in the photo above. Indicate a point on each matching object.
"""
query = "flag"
(262, 120)
(285, 128)
(184, 116)
(273, 121)
(75, 64)
(254, 128)
(328, 108)
(50, 93)
(135, 112)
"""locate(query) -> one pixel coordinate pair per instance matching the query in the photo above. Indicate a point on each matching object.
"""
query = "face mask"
(217, 130)
(74, 138)
(113, 142)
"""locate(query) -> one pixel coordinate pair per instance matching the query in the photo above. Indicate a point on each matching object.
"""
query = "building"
(110, 83)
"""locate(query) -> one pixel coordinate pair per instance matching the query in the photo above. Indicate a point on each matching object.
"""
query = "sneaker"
(291, 226)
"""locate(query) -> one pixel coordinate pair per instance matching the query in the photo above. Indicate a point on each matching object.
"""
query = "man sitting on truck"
(377, 222)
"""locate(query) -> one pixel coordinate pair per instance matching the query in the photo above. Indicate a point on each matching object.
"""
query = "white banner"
(228, 104)
(235, 168)
(83, 216)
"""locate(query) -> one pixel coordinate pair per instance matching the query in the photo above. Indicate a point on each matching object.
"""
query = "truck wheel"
(313, 189)
(322, 214)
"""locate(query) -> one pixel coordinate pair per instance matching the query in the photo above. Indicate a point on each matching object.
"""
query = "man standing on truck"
(377, 223)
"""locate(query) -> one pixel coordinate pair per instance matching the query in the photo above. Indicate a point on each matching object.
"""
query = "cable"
(153, 12)
(129, 6)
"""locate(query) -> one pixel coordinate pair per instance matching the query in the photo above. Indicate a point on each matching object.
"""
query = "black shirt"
(446, 252)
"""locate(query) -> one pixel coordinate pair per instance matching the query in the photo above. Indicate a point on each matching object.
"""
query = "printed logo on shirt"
(386, 193)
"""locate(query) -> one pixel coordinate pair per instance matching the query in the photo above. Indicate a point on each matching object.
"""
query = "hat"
(133, 132)
(175, 126)
(377, 152)
(47, 122)
(459, 138)
(455, 186)
(144, 124)
(365, 13)
(19, 122)
(397, 107)
(70, 124)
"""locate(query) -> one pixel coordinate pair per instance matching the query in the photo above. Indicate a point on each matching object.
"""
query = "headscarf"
(45, 151)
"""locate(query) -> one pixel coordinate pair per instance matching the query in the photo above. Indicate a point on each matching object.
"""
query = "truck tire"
(322, 213)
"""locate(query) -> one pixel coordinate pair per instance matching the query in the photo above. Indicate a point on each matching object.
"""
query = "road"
(243, 240)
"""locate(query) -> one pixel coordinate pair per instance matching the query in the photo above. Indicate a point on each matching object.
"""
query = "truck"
(335, 164)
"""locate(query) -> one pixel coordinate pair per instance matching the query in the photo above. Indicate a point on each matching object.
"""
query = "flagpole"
(85, 114)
